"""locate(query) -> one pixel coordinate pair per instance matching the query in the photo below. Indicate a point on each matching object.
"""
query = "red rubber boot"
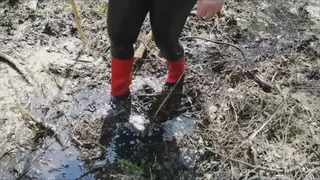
(172, 87)
(120, 101)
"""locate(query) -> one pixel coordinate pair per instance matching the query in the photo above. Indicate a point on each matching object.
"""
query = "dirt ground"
(245, 116)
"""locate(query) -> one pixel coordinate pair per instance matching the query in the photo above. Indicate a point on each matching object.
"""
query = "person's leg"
(168, 18)
(124, 21)
(125, 18)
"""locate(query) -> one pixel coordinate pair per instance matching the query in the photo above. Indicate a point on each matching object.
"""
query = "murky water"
(50, 161)
(58, 164)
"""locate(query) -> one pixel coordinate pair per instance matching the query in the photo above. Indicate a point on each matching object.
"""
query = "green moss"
(130, 168)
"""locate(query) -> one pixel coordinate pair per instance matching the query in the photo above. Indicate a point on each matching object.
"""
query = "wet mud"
(50, 127)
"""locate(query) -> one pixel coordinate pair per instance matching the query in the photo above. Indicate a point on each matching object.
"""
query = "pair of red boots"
(121, 74)
(121, 78)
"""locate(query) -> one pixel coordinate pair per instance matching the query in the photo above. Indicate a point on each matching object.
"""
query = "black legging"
(125, 18)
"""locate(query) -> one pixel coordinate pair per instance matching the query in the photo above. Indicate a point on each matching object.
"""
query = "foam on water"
(138, 122)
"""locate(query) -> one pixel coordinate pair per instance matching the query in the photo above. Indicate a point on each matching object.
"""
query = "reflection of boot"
(120, 112)
(167, 104)
(121, 76)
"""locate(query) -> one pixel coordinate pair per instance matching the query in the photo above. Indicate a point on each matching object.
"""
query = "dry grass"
(284, 147)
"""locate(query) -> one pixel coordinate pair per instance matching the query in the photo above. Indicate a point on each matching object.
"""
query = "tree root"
(14, 64)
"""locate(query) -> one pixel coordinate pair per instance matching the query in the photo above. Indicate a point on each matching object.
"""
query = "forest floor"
(244, 116)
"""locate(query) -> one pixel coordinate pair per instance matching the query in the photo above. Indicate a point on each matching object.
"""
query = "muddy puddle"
(76, 109)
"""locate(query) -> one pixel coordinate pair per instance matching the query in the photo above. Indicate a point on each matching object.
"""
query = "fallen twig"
(93, 170)
(255, 177)
(25, 172)
(6, 154)
(169, 94)
(138, 54)
(147, 95)
(75, 140)
(76, 16)
(147, 48)
(263, 82)
(254, 134)
(249, 173)
(14, 64)
(310, 172)
(255, 155)
(242, 162)
(218, 42)
(49, 127)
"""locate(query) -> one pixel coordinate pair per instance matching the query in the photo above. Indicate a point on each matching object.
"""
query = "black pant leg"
(125, 18)
(168, 18)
